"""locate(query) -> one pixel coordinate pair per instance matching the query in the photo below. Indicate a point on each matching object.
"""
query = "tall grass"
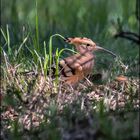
(41, 62)
(80, 18)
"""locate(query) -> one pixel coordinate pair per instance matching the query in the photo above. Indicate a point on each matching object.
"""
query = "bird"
(76, 67)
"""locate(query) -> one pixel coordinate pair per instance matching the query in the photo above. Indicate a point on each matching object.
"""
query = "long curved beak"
(100, 48)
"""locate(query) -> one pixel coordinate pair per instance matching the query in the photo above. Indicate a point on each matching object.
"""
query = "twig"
(130, 36)
(134, 37)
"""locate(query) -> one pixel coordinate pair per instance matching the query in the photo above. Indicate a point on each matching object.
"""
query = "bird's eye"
(88, 44)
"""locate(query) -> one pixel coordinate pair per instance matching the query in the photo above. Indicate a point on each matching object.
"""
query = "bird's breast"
(87, 68)
(87, 63)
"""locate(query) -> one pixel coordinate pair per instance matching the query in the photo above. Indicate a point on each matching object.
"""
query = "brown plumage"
(78, 66)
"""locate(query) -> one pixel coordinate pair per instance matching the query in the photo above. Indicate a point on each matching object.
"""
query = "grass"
(35, 105)
(30, 109)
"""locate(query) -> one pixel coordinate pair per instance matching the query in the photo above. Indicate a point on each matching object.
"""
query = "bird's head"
(83, 44)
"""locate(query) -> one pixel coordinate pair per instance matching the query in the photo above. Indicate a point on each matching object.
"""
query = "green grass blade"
(37, 30)
(4, 35)
(39, 58)
(50, 46)
(21, 45)
(8, 40)
(46, 58)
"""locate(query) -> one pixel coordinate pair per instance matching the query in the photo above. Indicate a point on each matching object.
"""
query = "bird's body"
(74, 68)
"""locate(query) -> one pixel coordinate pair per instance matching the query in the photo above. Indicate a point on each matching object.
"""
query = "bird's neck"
(84, 51)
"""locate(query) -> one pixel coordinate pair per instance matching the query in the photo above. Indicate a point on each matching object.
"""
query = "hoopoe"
(74, 68)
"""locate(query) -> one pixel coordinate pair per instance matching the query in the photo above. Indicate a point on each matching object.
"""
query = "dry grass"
(34, 104)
